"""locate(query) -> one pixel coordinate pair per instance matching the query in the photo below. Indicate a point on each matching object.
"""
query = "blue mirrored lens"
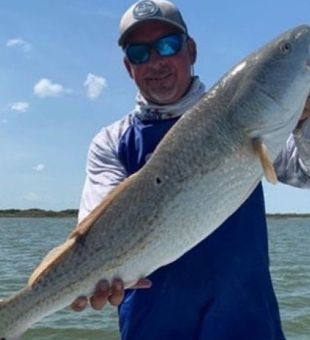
(166, 46)
(169, 45)
(138, 54)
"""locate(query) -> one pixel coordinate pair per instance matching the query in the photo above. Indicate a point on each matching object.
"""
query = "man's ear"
(128, 66)
(192, 50)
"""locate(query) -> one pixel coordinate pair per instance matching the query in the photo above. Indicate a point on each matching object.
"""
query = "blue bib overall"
(219, 290)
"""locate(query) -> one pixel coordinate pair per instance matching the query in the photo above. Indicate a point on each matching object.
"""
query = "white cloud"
(39, 167)
(94, 85)
(45, 88)
(32, 196)
(19, 43)
(19, 107)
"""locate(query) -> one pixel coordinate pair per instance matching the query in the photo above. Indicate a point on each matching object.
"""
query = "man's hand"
(305, 115)
(104, 293)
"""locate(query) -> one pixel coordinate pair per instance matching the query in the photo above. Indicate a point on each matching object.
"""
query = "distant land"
(74, 212)
(38, 213)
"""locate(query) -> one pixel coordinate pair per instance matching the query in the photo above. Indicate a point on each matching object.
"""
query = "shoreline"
(39, 213)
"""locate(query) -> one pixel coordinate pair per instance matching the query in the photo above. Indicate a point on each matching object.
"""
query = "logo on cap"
(145, 9)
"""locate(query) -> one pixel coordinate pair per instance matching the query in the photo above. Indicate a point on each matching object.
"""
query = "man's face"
(161, 80)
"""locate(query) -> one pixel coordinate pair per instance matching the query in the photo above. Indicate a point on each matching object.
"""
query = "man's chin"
(162, 97)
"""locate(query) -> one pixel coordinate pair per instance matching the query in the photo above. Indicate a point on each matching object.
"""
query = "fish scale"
(200, 173)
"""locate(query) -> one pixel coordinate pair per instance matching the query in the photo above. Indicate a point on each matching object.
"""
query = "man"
(221, 289)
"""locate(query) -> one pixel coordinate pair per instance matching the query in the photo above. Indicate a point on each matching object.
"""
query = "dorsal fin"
(3, 303)
(85, 225)
(50, 260)
(262, 152)
(81, 230)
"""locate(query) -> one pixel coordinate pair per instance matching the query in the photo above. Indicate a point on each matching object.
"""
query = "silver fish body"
(199, 174)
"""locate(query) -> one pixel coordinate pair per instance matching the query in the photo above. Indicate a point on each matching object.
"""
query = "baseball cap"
(144, 10)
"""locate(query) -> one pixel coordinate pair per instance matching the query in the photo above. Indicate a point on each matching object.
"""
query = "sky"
(62, 79)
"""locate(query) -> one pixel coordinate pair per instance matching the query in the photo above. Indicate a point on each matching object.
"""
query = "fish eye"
(286, 47)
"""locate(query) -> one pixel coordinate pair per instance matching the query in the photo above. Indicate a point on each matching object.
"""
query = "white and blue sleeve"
(104, 171)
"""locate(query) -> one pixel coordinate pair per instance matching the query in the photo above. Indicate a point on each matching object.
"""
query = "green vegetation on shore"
(288, 215)
(38, 213)
(74, 212)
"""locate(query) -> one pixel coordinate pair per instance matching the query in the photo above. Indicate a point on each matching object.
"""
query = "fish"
(202, 171)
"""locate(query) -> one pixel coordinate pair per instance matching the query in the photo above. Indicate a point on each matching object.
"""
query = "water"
(289, 241)
(24, 241)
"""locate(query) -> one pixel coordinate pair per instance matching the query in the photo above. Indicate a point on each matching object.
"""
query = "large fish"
(201, 172)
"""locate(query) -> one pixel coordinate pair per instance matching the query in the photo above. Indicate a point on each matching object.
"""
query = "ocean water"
(24, 241)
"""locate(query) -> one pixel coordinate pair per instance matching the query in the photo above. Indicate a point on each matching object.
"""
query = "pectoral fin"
(261, 150)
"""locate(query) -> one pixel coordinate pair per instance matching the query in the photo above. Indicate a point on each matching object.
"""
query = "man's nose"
(155, 58)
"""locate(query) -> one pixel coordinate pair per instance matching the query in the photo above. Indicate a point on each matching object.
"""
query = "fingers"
(117, 292)
(79, 304)
(307, 108)
(104, 293)
(101, 294)
(306, 112)
(142, 284)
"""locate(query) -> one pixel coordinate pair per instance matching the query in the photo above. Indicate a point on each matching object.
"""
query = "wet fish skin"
(200, 173)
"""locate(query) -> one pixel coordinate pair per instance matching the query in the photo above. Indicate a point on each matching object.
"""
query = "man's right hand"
(104, 293)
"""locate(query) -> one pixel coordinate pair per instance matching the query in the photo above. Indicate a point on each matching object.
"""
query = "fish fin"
(3, 303)
(81, 230)
(262, 152)
(50, 260)
(85, 225)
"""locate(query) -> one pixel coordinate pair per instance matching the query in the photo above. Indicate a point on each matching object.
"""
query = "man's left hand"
(305, 115)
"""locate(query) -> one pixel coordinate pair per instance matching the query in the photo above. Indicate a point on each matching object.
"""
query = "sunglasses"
(166, 46)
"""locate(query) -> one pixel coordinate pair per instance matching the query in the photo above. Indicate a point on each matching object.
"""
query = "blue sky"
(62, 79)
